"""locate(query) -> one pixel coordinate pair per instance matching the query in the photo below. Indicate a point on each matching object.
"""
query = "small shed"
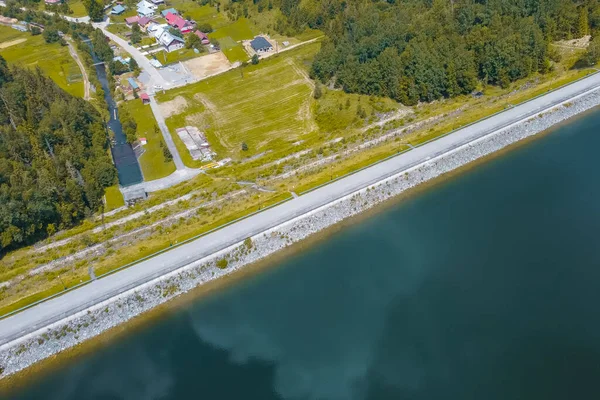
(145, 100)
(133, 196)
(261, 45)
(117, 10)
(133, 84)
(203, 37)
(143, 141)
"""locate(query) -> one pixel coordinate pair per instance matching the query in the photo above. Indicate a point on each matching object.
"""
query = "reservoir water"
(486, 286)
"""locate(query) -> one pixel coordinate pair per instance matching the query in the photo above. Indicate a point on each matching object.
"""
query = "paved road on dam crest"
(63, 306)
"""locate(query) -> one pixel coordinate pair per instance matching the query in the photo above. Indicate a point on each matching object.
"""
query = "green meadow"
(266, 106)
(152, 162)
(53, 59)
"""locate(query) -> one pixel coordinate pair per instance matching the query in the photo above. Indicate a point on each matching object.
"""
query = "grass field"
(78, 9)
(199, 13)
(270, 106)
(175, 56)
(241, 29)
(114, 198)
(233, 50)
(152, 161)
(54, 59)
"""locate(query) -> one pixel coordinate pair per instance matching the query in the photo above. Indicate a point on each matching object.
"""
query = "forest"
(422, 50)
(54, 160)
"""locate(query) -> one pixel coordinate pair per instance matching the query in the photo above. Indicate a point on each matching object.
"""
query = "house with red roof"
(176, 21)
(203, 37)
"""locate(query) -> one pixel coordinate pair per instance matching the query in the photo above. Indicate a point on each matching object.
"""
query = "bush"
(255, 59)
(318, 91)
(222, 263)
(205, 27)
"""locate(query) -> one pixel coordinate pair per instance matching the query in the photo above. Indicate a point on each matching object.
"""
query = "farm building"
(145, 100)
(203, 37)
(176, 21)
(117, 10)
(169, 10)
(132, 20)
(145, 8)
(133, 84)
(261, 45)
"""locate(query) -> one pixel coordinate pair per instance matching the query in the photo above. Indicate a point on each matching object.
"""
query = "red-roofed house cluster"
(178, 22)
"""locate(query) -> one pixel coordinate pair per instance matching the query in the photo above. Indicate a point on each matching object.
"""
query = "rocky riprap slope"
(87, 324)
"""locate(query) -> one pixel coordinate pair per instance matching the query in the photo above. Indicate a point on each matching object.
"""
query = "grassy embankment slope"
(32, 51)
(333, 116)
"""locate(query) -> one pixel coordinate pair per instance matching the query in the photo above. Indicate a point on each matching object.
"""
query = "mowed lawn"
(233, 50)
(241, 29)
(78, 8)
(269, 107)
(54, 59)
(152, 162)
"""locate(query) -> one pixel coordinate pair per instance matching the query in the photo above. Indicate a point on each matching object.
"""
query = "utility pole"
(63, 283)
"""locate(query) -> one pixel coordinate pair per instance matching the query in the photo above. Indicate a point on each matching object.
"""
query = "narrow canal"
(124, 157)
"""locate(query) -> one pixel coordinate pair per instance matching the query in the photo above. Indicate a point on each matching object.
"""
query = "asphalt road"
(166, 134)
(60, 307)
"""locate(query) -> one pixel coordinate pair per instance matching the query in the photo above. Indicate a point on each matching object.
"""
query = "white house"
(146, 9)
(168, 41)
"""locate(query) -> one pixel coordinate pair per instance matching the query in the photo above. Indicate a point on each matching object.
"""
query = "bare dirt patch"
(580, 43)
(173, 107)
(5, 45)
(211, 64)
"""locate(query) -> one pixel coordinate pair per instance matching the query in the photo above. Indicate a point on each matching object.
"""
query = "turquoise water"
(484, 287)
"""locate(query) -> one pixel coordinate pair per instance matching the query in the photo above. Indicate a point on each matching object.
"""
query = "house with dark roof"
(176, 21)
(261, 45)
(203, 37)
